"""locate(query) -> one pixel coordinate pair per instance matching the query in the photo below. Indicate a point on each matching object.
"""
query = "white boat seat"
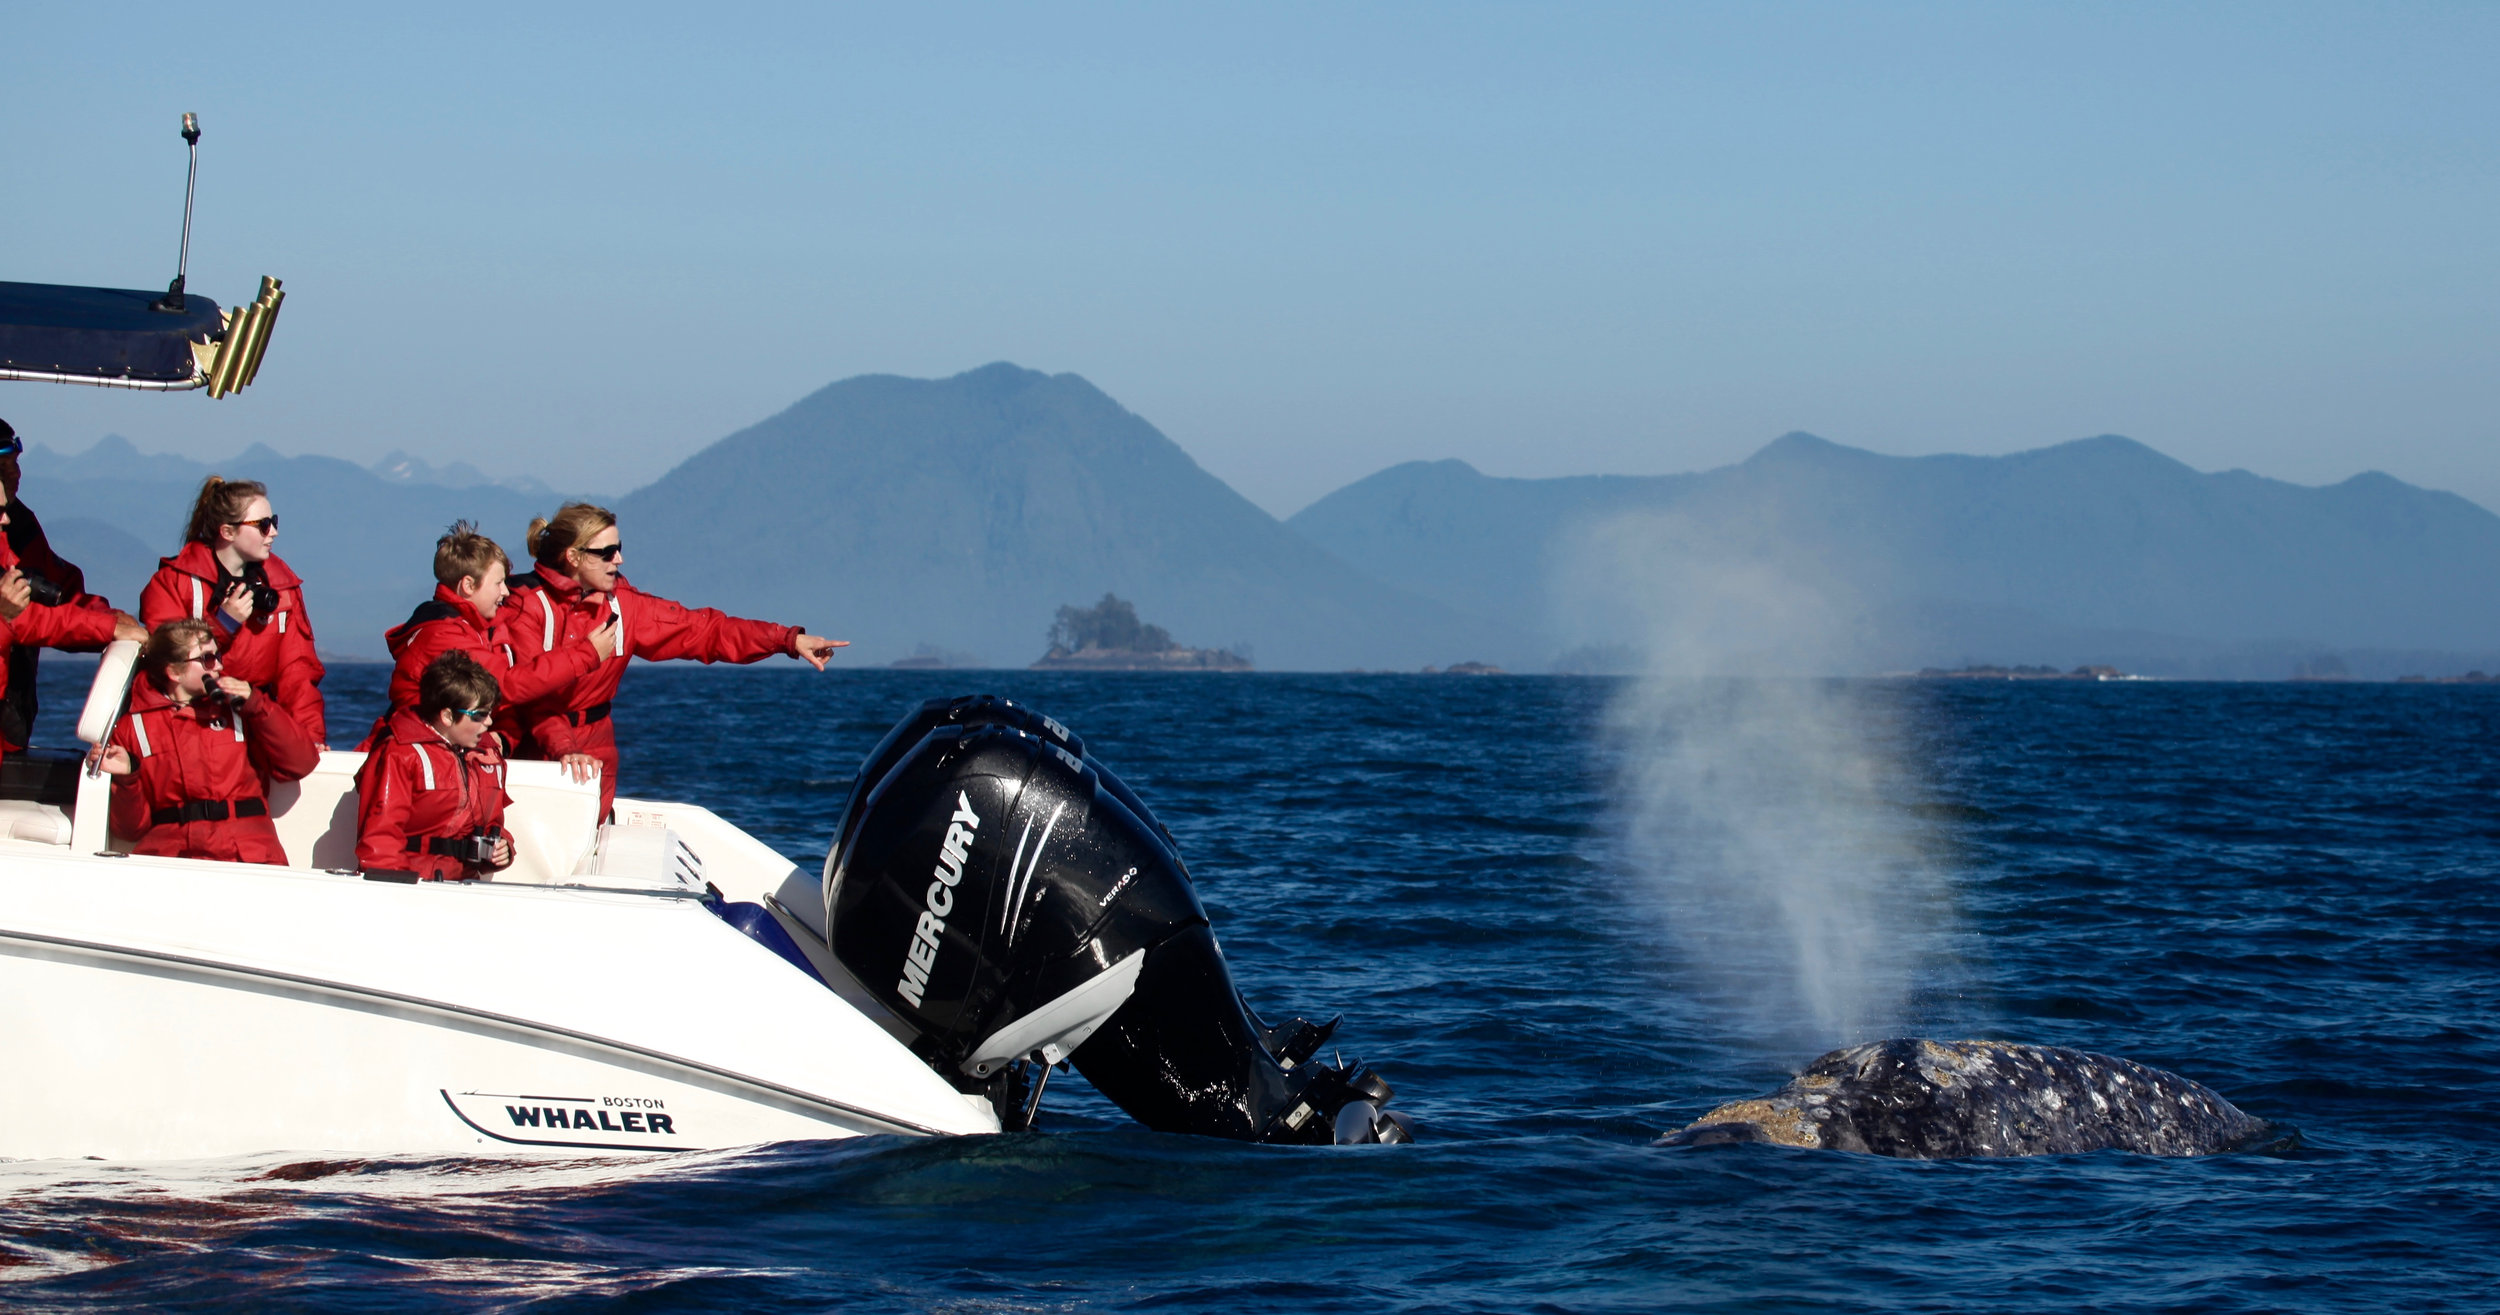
(24, 819)
(552, 818)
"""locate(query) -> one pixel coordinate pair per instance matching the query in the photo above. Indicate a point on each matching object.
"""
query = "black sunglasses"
(266, 524)
(607, 554)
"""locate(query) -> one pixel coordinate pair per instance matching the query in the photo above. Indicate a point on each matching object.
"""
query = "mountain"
(407, 468)
(2099, 549)
(963, 513)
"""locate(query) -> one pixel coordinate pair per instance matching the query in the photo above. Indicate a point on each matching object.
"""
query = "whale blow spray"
(1765, 806)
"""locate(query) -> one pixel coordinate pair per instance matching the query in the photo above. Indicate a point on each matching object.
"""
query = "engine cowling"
(1015, 904)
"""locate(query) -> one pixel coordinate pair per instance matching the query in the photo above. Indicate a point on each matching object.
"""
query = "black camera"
(264, 594)
(477, 849)
(42, 590)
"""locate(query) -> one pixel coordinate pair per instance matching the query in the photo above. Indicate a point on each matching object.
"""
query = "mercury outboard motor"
(1015, 904)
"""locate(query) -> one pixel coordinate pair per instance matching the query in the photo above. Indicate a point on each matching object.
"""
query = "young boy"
(464, 615)
(430, 798)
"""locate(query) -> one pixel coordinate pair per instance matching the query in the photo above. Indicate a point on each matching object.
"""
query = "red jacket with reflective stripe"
(82, 624)
(198, 752)
(273, 652)
(444, 623)
(417, 784)
(549, 611)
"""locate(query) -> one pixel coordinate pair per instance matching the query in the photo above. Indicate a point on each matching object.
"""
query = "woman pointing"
(578, 584)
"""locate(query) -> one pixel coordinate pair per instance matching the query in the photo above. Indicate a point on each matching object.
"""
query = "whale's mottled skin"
(1927, 1100)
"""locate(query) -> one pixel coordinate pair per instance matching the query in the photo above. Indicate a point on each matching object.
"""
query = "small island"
(1109, 637)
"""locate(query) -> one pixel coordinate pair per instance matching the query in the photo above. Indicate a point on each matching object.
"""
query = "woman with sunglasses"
(226, 574)
(430, 797)
(195, 755)
(578, 585)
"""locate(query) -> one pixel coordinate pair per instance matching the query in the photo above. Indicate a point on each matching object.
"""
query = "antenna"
(173, 300)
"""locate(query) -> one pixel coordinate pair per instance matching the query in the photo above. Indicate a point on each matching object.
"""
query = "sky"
(1306, 242)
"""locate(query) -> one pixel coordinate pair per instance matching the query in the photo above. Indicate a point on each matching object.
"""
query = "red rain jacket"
(443, 623)
(274, 653)
(548, 611)
(82, 624)
(416, 785)
(205, 752)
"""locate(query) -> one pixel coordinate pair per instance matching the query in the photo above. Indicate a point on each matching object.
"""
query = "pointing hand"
(816, 648)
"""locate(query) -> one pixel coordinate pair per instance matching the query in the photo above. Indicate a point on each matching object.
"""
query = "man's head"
(181, 657)
(472, 566)
(10, 446)
(457, 696)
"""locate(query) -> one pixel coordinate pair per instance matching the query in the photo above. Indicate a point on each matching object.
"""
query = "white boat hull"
(160, 1008)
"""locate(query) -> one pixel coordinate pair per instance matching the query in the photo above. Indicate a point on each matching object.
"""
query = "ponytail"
(220, 501)
(575, 524)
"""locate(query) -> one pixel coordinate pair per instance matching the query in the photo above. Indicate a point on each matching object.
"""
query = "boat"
(658, 982)
(997, 906)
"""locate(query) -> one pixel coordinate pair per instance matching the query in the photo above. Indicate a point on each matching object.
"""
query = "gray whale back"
(1919, 1099)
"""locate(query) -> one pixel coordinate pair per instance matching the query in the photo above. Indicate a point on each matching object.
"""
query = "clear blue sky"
(582, 242)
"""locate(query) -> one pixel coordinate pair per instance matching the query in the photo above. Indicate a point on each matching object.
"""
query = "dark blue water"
(2286, 892)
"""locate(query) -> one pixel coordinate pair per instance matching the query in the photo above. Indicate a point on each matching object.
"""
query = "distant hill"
(962, 513)
(2090, 551)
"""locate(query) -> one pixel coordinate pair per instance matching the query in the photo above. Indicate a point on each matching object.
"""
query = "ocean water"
(1562, 922)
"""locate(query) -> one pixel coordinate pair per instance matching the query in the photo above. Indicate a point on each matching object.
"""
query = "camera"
(264, 594)
(477, 849)
(42, 590)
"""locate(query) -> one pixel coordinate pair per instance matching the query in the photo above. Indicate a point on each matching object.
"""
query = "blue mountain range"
(958, 515)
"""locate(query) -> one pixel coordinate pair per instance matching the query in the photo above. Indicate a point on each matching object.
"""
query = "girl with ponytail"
(579, 585)
(227, 575)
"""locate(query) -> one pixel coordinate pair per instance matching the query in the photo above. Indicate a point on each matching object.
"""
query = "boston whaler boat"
(997, 903)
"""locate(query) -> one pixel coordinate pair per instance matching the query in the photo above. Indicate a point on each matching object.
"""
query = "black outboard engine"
(1013, 901)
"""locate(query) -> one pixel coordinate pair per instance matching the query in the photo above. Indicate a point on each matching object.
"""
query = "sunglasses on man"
(475, 714)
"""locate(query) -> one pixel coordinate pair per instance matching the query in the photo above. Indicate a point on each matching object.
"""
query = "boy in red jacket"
(465, 614)
(430, 800)
(196, 752)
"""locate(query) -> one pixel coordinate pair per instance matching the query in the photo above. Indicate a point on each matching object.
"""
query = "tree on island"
(1109, 637)
(1111, 623)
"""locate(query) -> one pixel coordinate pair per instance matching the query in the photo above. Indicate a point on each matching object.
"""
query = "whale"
(1912, 1098)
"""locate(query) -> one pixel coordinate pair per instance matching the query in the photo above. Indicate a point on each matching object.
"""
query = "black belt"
(208, 810)
(446, 846)
(586, 716)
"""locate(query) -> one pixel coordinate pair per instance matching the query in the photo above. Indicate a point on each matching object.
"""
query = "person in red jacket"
(465, 614)
(196, 752)
(227, 574)
(73, 620)
(27, 557)
(578, 585)
(430, 799)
